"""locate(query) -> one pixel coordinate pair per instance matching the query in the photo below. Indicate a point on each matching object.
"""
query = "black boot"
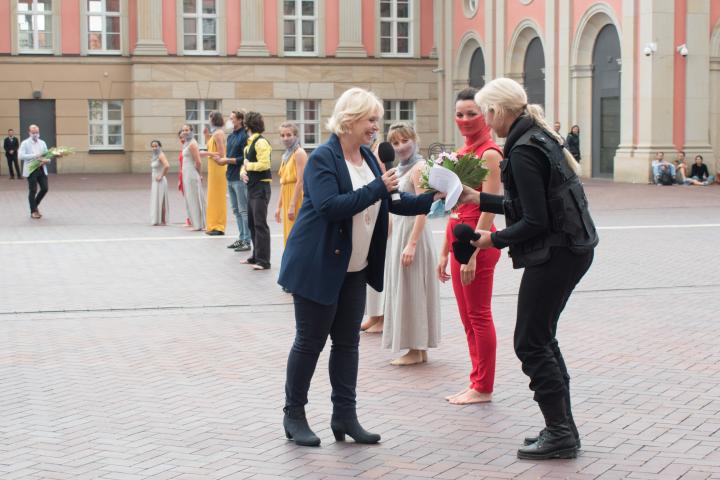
(297, 428)
(349, 425)
(556, 440)
(571, 421)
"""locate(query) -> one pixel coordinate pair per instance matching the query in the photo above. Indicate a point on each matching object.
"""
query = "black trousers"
(544, 291)
(313, 323)
(38, 177)
(12, 160)
(258, 200)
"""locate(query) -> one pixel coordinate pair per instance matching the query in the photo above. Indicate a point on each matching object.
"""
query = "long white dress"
(159, 205)
(412, 294)
(194, 194)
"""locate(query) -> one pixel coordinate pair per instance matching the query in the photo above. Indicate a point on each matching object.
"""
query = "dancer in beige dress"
(159, 205)
(412, 301)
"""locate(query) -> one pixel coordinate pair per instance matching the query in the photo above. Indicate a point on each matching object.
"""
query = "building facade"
(637, 76)
(108, 76)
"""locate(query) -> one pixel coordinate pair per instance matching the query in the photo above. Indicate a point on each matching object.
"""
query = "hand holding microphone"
(468, 240)
(386, 152)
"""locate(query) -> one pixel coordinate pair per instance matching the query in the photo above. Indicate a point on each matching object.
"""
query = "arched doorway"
(534, 72)
(476, 75)
(605, 101)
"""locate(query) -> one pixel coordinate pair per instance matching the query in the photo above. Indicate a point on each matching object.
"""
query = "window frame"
(104, 14)
(199, 16)
(394, 20)
(105, 122)
(54, 25)
(301, 122)
(298, 18)
(202, 118)
(394, 113)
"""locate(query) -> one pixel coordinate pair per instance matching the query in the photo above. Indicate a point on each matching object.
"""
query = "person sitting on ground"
(663, 171)
(699, 172)
(680, 168)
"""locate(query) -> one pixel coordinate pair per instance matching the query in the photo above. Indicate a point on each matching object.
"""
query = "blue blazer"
(317, 253)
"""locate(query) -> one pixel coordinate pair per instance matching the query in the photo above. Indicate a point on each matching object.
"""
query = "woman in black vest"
(573, 142)
(550, 233)
(256, 173)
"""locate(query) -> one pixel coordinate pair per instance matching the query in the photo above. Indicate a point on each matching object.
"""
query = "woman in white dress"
(159, 206)
(192, 181)
(412, 301)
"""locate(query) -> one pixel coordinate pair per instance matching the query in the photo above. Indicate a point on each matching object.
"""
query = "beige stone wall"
(154, 90)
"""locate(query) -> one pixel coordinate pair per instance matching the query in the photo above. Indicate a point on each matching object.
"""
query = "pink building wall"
(714, 15)
(5, 29)
(426, 27)
(132, 28)
(517, 12)
(271, 27)
(579, 7)
(70, 28)
(332, 30)
(368, 34)
(462, 25)
(232, 19)
(169, 14)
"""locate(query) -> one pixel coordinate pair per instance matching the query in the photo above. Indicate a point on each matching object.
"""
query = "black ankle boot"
(350, 425)
(556, 440)
(297, 428)
(571, 421)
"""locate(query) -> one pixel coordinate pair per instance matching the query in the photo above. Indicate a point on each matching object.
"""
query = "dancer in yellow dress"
(216, 216)
(291, 178)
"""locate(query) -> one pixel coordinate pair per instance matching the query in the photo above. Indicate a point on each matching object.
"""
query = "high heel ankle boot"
(349, 425)
(297, 428)
(556, 440)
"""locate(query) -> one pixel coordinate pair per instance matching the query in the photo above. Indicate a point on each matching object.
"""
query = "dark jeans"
(544, 291)
(258, 200)
(12, 160)
(313, 323)
(36, 178)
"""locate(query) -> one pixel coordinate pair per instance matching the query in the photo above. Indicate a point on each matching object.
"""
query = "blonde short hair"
(290, 126)
(402, 130)
(353, 105)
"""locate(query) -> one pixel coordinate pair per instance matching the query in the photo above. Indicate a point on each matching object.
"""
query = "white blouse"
(363, 222)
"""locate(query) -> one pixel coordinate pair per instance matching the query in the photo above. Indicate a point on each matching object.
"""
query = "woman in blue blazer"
(336, 247)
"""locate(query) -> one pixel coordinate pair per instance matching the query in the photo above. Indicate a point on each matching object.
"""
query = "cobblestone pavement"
(138, 352)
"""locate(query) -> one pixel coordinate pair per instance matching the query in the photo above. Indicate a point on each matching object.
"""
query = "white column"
(350, 23)
(499, 38)
(564, 45)
(489, 42)
(697, 90)
(252, 29)
(550, 63)
(149, 28)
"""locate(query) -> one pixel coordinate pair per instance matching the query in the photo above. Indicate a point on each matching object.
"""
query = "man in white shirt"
(32, 149)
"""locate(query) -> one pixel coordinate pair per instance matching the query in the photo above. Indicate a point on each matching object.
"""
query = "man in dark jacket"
(11, 145)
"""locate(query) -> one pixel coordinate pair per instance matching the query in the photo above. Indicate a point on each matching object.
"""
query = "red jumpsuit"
(474, 300)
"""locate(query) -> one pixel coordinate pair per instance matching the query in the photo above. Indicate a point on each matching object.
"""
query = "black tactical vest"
(255, 177)
(571, 225)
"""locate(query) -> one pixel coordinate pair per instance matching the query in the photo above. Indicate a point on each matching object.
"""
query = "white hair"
(505, 96)
(353, 105)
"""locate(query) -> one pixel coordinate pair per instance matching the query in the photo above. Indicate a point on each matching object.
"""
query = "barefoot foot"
(411, 358)
(454, 395)
(369, 323)
(378, 327)
(471, 396)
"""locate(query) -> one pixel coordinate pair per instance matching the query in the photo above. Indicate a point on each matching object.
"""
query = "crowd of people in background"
(676, 173)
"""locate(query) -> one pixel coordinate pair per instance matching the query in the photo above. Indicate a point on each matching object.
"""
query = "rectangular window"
(299, 26)
(398, 110)
(199, 26)
(306, 114)
(395, 27)
(196, 115)
(103, 26)
(34, 19)
(106, 124)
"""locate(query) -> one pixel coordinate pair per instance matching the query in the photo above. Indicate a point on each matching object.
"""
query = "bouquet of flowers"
(49, 155)
(466, 169)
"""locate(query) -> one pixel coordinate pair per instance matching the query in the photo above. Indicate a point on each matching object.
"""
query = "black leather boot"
(556, 440)
(349, 425)
(297, 428)
(573, 427)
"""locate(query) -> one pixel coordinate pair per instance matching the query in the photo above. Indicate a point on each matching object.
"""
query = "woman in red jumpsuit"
(472, 283)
